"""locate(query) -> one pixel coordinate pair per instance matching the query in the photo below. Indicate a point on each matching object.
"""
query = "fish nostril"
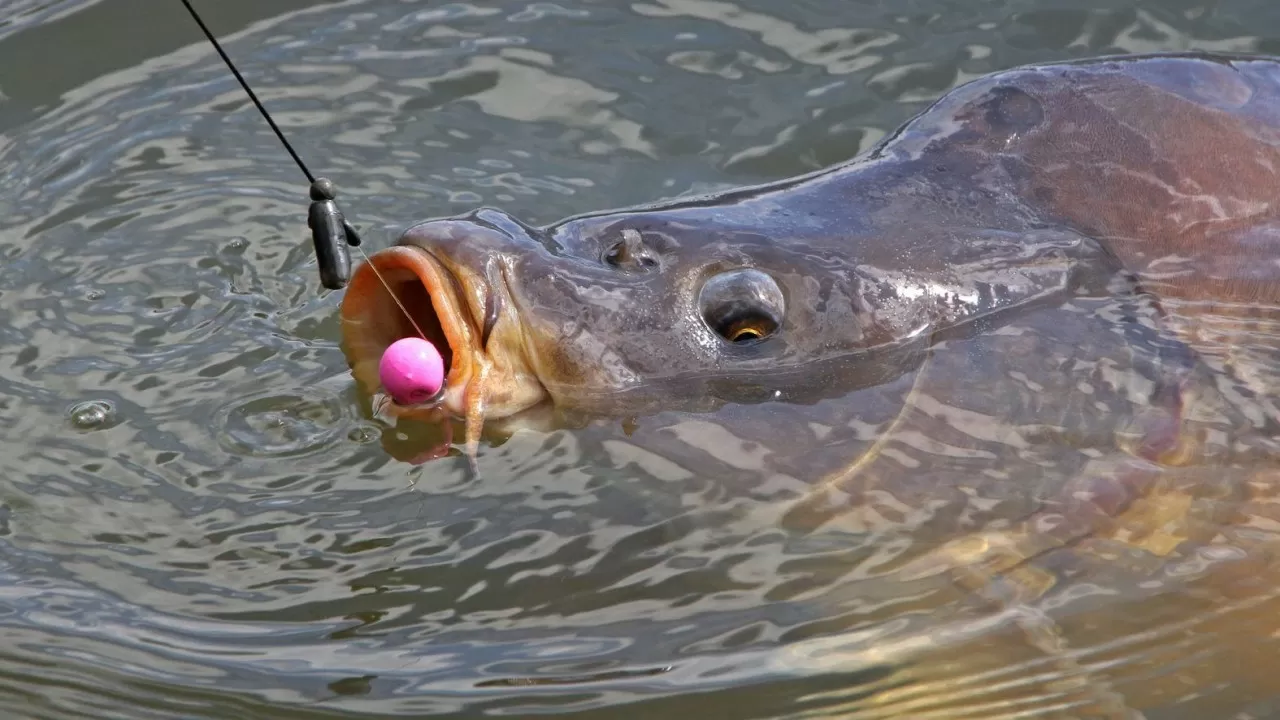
(631, 253)
(620, 257)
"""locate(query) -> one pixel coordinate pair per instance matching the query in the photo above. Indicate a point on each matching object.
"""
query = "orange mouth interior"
(403, 292)
(422, 320)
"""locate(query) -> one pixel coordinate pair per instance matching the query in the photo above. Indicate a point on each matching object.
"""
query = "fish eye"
(742, 306)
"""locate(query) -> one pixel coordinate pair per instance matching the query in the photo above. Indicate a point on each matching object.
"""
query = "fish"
(1019, 188)
(1032, 330)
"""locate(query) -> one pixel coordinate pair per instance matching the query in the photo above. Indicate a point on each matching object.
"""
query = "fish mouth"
(406, 292)
(410, 291)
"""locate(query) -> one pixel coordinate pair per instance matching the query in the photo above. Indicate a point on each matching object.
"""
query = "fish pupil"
(747, 329)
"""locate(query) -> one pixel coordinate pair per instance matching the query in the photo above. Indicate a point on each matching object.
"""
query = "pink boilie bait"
(411, 370)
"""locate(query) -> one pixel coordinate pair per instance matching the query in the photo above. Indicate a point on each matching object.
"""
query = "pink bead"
(411, 371)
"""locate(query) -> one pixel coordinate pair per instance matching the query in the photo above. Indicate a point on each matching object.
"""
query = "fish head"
(610, 312)
(758, 296)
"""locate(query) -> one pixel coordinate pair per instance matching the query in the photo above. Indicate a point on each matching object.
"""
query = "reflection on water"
(197, 520)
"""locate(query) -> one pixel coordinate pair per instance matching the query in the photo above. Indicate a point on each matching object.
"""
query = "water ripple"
(198, 518)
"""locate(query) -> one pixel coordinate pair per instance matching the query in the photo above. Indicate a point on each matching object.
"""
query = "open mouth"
(410, 291)
(407, 292)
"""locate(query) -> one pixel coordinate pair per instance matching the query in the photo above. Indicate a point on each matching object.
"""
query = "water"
(197, 520)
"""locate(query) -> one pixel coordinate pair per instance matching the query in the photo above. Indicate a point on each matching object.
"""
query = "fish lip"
(372, 320)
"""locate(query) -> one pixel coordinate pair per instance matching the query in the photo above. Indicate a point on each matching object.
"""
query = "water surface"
(198, 520)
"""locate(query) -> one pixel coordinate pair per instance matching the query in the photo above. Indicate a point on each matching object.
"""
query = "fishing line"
(399, 304)
(252, 96)
(330, 231)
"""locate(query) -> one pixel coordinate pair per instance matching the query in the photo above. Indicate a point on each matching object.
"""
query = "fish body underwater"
(1028, 340)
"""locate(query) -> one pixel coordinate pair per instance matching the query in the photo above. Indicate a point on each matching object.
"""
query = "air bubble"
(364, 434)
(93, 415)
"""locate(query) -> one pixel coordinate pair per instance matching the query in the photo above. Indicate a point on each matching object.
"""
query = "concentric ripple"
(198, 518)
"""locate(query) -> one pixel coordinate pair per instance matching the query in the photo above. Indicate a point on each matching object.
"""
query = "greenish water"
(198, 521)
